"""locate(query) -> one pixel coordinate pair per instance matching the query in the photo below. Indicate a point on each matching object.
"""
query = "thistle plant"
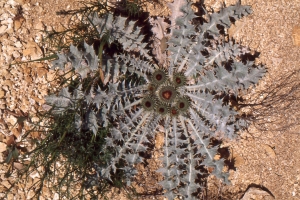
(133, 95)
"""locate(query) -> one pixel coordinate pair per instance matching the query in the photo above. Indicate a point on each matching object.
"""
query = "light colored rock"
(10, 196)
(296, 36)
(3, 28)
(6, 184)
(4, 72)
(30, 194)
(12, 11)
(34, 175)
(2, 147)
(56, 196)
(33, 52)
(2, 93)
(5, 87)
(18, 44)
(2, 159)
(24, 31)
(3, 17)
(11, 2)
(18, 166)
(39, 26)
(26, 6)
(11, 119)
(9, 83)
(16, 54)
(10, 30)
(22, 2)
(39, 9)
(31, 44)
(18, 23)
(3, 37)
(7, 21)
(34, 119)
(269, 151)
(10, 49)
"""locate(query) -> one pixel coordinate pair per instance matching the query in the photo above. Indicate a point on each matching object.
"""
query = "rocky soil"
(263, 164)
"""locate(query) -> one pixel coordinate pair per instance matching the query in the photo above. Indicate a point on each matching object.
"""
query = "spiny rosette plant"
(136, 96)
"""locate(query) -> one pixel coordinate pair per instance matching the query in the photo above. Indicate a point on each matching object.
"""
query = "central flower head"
(163, 94)
(166, 93)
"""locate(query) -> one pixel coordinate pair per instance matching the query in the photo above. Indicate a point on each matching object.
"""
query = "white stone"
(12, 2)
(7, 21)
(2, 147)
(16, 54)
(12, 11)
(32, 101)
(3, 29)
(14, 39)
(56, 196)
(5, 87)
(39, 26)
(3, 17)
(26, 7)
(11, 119)
(30, 194)
(18, 44)
(8, 58)
(34, 175)
(10, 49)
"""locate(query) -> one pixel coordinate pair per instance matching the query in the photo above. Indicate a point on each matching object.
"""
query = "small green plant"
(80, 29)
(77, 152)
(133, 7)
(64, 157)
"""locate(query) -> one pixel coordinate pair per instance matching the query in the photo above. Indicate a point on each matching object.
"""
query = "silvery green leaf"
(213, 66)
